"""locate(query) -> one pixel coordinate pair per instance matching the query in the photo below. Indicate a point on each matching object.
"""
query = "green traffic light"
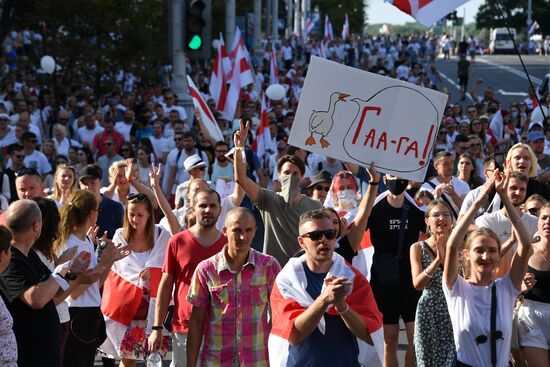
(195, 43)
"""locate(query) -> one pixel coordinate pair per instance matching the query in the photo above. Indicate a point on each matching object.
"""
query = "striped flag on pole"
(218, 87)
(427, 12)
(207, 118)
(345, 28)
(329, 34)
(309, 27)
(534, 26)
(263, 134)
(273, 71)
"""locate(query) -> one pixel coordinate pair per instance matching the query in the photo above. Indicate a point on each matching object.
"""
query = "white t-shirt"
(87, 135)
(160, 145)
(181, 110)
(461, 189)
(471, 198)
(36, 160)
(116, 196)
(90, 297)
(181, 174)
(470, 310)
(63, 307)
(124, 129)
(8, 139)
(502, 225)
(63, 147)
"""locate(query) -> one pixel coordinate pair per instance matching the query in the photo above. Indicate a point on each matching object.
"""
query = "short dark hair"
(208, 192)
(28, 136)
(5, 239)
(442, 154)
(291, 159)
(188, 134)
(519, 176)
(220, 143)
(461, 139)
(14, 148)
(313, 215)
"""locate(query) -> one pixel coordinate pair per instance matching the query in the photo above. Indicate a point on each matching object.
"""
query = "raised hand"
(154, 175)
(239, 139)
(373, 173)
(501, 182)
(92, 232)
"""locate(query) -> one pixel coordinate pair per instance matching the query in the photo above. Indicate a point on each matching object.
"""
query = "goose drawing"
(320, 122)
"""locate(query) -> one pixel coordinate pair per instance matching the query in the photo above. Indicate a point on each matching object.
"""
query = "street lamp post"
(179, 76)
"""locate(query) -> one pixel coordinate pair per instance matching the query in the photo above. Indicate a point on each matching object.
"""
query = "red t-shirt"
(183, 254)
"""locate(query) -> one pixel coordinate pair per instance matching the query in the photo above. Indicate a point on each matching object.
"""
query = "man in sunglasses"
(33, 158)
(323, 310)
(17, 158)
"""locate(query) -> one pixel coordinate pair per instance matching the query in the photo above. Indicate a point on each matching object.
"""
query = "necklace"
(541, 254)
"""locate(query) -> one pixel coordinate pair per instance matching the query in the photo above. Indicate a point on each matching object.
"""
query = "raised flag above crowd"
(427, 12)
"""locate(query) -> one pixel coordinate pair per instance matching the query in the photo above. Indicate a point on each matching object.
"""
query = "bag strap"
(433, 253)
(444, 197)
(493, 325)
(402, 228)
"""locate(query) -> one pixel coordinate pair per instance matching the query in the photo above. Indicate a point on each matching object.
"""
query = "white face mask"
(290, 186)
(347, 197)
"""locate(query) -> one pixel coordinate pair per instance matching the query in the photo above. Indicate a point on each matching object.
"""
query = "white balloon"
(215, 43)
(275, 92)
(47, 63)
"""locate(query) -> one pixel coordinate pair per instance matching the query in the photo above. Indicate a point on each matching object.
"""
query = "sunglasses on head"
(27, 172)
(137, 197)
(329, 234)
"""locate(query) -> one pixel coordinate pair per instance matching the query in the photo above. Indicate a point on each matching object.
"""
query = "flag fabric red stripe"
(120, 308)
(427, 12)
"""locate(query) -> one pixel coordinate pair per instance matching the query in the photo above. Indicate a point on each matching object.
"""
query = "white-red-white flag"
(273, 70)
(235, 86)
(245, 69)
(345, 28)
(263, 134)
(309, 27)
(322, 50)
(329, 34)
(227, 65)
(218, 83)
(207, 118)
(427, 12)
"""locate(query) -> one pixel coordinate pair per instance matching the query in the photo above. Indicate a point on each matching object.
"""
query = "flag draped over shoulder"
(427, 12)
(123, 290)
(289, 299)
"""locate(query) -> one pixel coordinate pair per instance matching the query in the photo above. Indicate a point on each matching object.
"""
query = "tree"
(356, 10)
(515, 14)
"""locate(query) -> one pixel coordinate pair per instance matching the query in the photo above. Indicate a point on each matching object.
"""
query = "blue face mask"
(515, 113)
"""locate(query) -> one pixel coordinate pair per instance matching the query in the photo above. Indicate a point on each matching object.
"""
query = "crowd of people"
(127, 230)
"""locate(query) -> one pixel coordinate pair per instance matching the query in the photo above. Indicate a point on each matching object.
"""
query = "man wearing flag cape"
(322, 308)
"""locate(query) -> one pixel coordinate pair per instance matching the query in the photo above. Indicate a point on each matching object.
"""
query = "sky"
(381, 12)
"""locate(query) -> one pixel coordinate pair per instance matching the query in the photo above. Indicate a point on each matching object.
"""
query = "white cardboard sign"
(359, 117)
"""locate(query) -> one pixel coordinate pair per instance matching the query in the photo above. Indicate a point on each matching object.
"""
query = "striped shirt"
(237, 328)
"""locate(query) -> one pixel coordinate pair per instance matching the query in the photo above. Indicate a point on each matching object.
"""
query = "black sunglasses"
(497, 334)
(137, 197)
(533, 211)
(27, 171)
(321, 188)
(329, 234)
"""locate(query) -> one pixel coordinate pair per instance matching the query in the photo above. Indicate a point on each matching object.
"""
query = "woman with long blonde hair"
(64, 184)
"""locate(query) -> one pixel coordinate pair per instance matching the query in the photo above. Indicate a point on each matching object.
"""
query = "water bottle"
(154, 360)
(99, 249)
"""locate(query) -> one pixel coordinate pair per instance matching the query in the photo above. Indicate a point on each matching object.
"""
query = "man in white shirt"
(159, 142)
(89, 130)
(34, 158)
(125, 125)
(445, 186)
(169, 100)
(499, 222)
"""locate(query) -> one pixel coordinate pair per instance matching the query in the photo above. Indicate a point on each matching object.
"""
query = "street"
(503, 72)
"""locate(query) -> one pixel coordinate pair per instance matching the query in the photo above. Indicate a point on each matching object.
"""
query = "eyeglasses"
(63, 120)
(33, 141)
(317, 235)
(20, 156)
(108, 144)
(27, 172)
(475, 145)
(98, 209)
(178, 139)
(321, 188)
(125, 150)
(464, 147)
(533, 211)
(497, 334)
(202, 168)
(57, 163)
(440, 215)
(137, 197)
(221, 151)
(3, 119)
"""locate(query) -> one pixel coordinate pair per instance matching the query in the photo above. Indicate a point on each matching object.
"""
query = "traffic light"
(195, 24)
(452, 16)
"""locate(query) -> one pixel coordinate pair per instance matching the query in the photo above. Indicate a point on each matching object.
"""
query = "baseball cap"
(320, 176)
(534, 136)
(193, 161)
(534, 123)
(449, 121)
(4, 116)
(90, 171)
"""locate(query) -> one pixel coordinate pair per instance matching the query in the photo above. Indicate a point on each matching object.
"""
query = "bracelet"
(374, 183)
(157, 327)
(428, 274)
(343, 312)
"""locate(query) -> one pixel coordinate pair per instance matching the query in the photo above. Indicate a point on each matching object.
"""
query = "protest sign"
(359, 117)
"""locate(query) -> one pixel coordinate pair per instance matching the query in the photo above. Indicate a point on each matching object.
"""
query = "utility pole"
(529, 18)
(297, 16)
(229, 23)
(303, 20)
(257, 26)
(179, 75)
(275, 20)
(289, 17)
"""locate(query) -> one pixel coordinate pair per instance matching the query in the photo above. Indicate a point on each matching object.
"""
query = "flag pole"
(520, 58)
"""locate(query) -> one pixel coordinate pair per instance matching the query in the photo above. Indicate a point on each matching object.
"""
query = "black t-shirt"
(344, 249)
(110, 216)
(536, 187)
(36, 331)
(384, 223)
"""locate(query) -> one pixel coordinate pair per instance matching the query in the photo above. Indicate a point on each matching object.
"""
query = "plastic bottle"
(99, 249)
(154, 360)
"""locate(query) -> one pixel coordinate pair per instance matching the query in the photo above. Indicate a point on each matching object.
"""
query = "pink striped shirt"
(237, 328)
